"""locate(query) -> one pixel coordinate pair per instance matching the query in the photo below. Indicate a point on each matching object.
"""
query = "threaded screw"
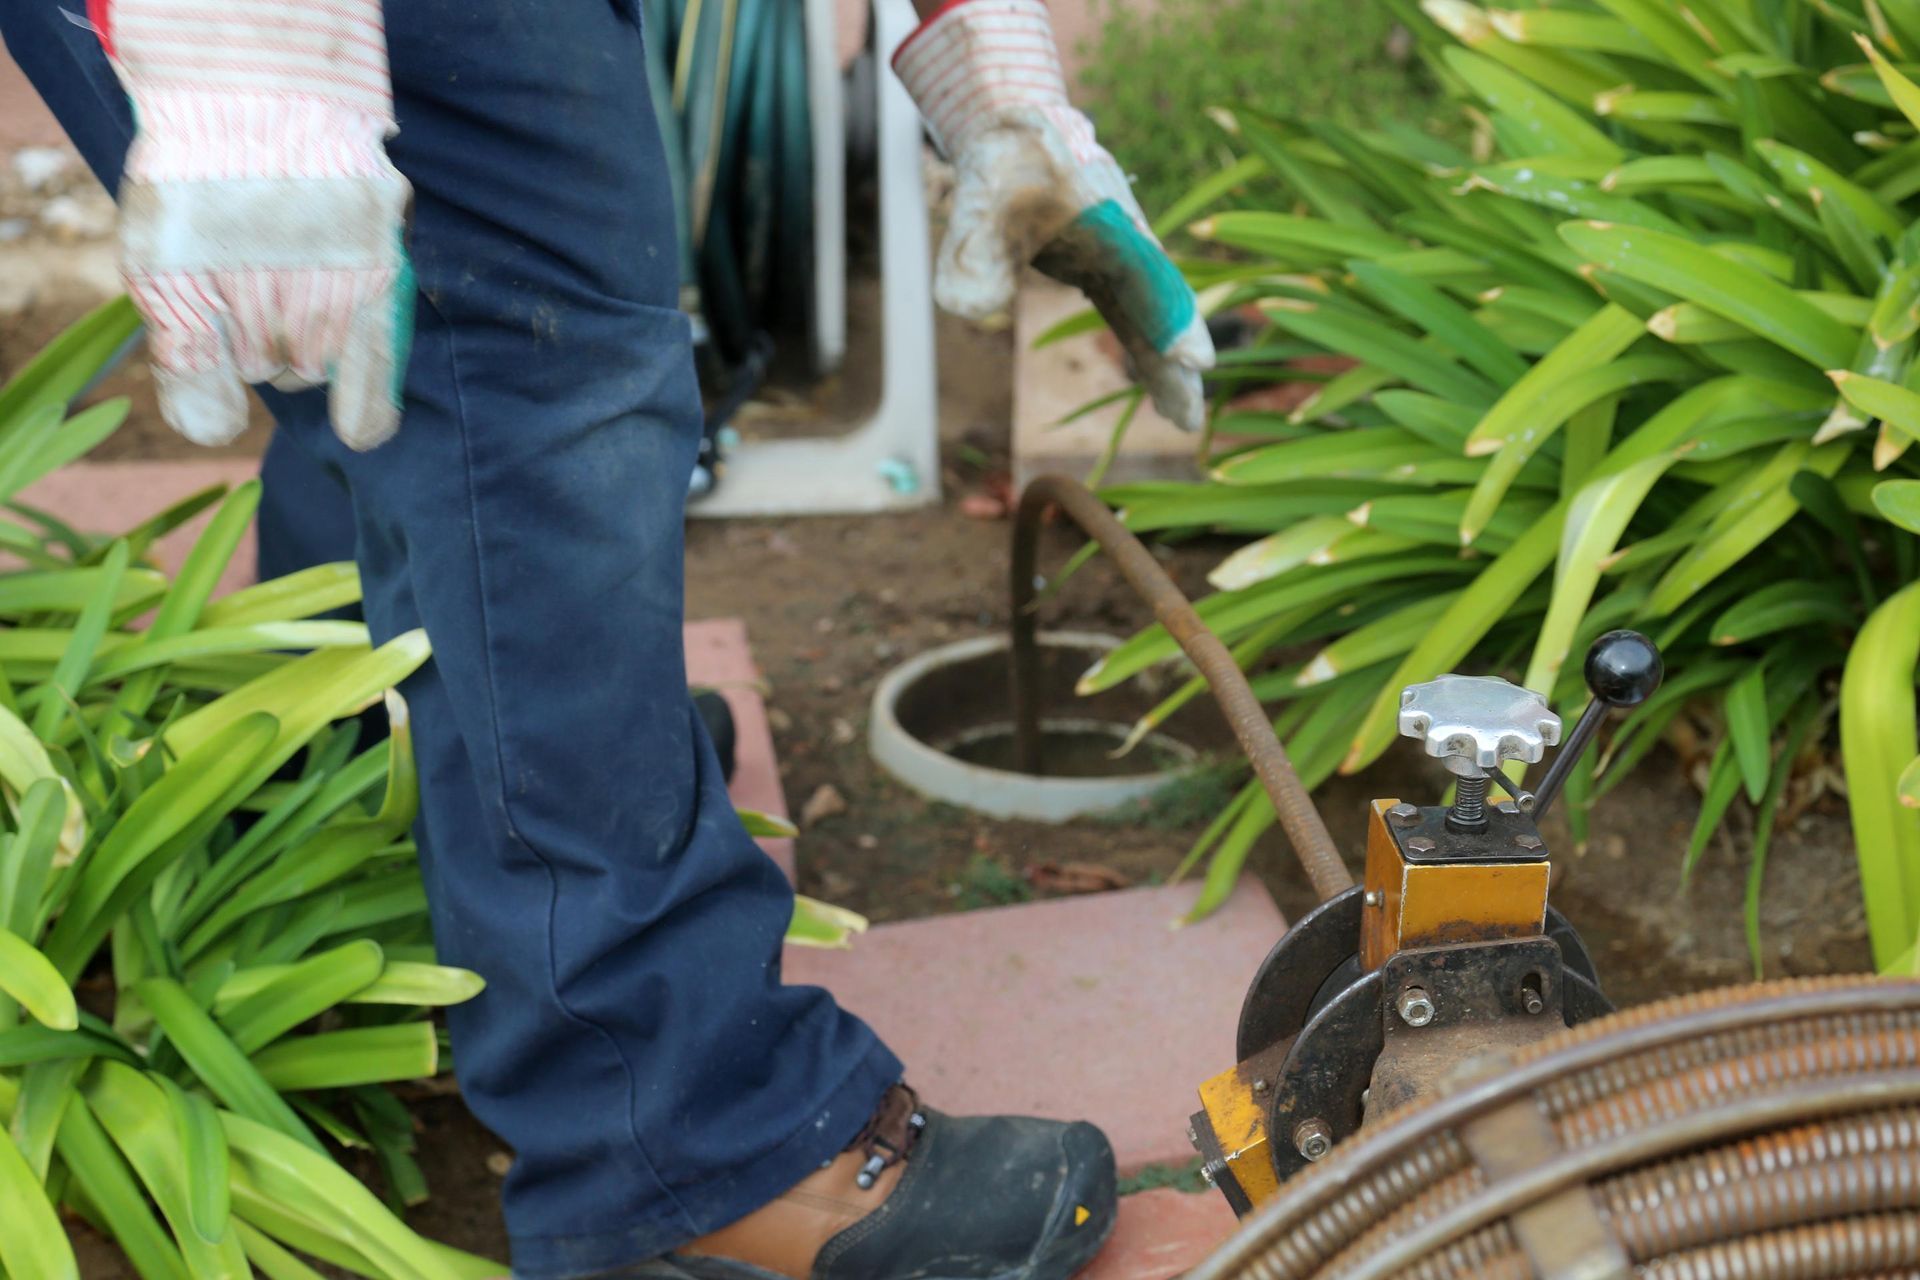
(1469, 812)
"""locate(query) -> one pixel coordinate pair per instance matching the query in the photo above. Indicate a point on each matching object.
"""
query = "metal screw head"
(1415, 1007)
(1530, 1001)
(1259, 1086)
(1420, 844)
(1211, 1170)
(1404, 815)
(1531, 843)
(1312, 1139)
(1374, 898)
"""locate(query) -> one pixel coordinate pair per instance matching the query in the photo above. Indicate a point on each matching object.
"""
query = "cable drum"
(1769, 1132)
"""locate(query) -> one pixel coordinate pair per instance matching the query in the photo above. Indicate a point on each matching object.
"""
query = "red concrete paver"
(1088, 1007)
(718, 658)
(1163, 1233)
(111, 497)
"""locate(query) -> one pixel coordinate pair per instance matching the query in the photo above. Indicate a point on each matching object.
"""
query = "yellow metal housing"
(1239, 1119)
(1431, 904)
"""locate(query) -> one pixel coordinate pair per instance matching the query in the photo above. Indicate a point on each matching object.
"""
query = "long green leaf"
(1721, 285)
(1878, 738)
(134, 1110)
(303, 991)
(1597, 517)
(217, 1061)
(318, 1190)
(30, 978)
(1751, 729)
(34, 1244)
(188, 798)
(100, 1170)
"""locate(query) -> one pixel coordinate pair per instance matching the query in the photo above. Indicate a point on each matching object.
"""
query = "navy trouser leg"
(635, 1044)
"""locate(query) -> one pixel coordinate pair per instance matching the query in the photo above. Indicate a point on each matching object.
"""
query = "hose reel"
(729, 85)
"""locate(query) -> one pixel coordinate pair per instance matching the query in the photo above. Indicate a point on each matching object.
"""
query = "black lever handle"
(1623, 669)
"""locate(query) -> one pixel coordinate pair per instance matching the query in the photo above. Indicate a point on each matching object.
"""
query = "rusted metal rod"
(1298, 817)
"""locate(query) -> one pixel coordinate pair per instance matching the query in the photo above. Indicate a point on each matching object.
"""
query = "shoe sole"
(1064, 1263)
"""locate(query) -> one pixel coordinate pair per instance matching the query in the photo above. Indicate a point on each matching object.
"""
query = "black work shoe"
(978, 1198)
(986, 1198)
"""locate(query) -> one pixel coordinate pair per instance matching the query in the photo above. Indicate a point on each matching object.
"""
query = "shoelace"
(890, 1135)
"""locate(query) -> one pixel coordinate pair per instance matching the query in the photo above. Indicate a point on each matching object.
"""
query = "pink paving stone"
(1075, 1008)
(718, 658)
(1162, 1233)
(109, 497)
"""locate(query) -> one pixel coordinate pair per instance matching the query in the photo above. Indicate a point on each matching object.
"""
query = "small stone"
(40, 167)
(868, 842)
(824, 803)
(72, 218)
(13, 229)
(499, 1164)
(831, 684)
(889, 596)
(778, 720)
(885, 650)
(842, 732)
(824, 626)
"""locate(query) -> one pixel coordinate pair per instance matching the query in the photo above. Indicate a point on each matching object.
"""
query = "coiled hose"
(1769, 1132)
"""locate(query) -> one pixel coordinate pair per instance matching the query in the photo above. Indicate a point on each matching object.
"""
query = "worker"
(456, 214)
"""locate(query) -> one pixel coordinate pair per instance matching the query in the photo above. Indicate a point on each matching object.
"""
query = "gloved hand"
(1034, 186)
(260, 220)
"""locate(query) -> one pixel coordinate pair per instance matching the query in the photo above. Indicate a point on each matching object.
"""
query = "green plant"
(987, 882)
(1148, 68)
(1647, 360)
(213, 941)
(214, 946)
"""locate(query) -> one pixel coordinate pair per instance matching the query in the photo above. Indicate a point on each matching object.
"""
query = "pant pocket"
(629, 10)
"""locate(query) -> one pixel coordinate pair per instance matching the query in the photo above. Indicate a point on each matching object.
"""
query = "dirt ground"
(832, 604)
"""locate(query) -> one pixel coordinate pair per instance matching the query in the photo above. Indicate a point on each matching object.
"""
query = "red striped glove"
(260, 220)
(1034, 186)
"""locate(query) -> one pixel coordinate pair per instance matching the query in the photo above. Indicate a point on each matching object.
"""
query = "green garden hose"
(729, 82)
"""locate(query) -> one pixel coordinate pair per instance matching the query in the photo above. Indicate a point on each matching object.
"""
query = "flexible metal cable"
(1248, 719)
(1762, 1133)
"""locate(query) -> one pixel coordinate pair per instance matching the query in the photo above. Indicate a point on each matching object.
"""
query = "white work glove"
(260, 221)
(1034, 186)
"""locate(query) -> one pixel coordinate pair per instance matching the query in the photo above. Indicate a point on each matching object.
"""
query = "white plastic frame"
(891, 461)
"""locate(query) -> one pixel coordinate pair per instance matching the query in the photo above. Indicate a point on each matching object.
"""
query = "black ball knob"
(1623, 668)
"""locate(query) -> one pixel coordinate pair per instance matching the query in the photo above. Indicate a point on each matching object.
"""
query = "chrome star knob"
(1473, 723)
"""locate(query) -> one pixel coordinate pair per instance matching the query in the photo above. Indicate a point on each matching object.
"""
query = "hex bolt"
(1404, 815)
(1374, 898)
(1211, 1171)
(1416, 1009)
(1259, 1086)
(1312, 1139)
(1420, 844)
(1531, 998)
(1530, 842)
